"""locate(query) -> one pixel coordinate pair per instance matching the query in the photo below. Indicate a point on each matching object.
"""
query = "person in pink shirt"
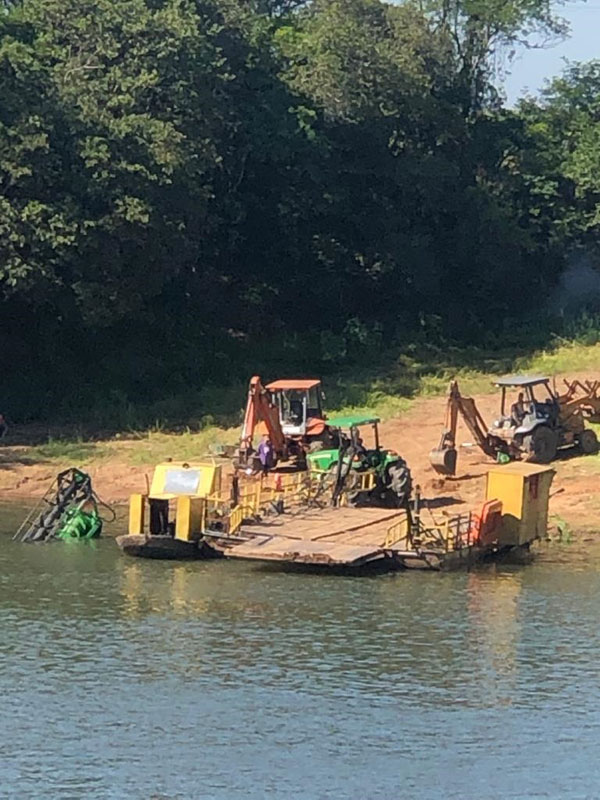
(266, 454)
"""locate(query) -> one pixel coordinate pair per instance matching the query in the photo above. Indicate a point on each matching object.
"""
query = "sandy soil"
(575, 494)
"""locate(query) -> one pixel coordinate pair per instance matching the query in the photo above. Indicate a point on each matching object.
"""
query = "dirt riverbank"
(25, 472)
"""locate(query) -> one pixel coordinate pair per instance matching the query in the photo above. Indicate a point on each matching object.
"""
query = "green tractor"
(341, 467)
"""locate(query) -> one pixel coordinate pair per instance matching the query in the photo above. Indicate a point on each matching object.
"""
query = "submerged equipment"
(71, 513)
(80, 524)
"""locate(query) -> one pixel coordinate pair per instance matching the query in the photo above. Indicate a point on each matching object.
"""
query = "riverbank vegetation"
(389, 394)
(193, 191)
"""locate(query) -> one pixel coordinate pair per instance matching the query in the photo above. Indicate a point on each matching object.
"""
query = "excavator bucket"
(443, 459)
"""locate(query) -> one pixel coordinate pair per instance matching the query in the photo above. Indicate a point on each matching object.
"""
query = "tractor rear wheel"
(540, 446)
(399, 482)
(588, 442)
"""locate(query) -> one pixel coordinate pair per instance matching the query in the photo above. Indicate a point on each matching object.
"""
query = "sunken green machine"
(68, 511)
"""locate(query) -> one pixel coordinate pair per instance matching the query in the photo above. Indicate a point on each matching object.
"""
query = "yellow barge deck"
(514, 513)
(293, 522)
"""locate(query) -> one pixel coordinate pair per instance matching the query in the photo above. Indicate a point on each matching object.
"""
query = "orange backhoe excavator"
(290, 413)
(536, 426)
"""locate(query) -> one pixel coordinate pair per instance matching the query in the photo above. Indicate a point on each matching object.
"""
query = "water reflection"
(156, 586)
(227, 681)
(492, 603)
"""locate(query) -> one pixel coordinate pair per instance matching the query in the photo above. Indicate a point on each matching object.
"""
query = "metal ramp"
(301, 551)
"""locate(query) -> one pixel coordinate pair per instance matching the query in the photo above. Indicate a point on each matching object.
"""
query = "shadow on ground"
(9, 459)
(442, 502)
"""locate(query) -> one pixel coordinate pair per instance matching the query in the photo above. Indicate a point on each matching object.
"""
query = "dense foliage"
(193, 189)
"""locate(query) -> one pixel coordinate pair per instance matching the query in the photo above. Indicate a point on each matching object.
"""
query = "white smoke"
(579, 287)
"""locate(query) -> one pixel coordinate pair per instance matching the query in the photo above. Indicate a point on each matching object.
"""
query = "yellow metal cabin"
(179, 486)
(524, 490)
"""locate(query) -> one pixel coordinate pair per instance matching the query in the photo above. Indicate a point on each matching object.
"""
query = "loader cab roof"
(291, 384)
(521, 380)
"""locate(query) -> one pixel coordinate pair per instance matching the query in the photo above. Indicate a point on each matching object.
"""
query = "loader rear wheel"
(588, 442)
(540, 446)
(400, 482)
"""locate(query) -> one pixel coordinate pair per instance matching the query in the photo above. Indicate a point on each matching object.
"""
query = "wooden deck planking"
(373, 534)
(334, 536)
(327, 523)
(304, 551)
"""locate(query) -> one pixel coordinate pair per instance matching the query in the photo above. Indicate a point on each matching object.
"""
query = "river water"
(123, 678)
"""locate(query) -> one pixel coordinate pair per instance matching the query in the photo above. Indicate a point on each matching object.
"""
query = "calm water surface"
(123, 678)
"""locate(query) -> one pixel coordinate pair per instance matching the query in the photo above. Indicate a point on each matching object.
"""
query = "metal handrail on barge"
(410, 533)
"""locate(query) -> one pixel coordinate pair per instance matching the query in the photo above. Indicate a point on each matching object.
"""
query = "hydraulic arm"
(443, 458)
(259, 408)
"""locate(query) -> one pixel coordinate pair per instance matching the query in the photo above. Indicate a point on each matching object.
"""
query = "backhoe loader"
(290, 413)
(534, 428)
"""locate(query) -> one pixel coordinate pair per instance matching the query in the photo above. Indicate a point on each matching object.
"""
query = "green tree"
(568, 123)
(484, 33)
(192, 188)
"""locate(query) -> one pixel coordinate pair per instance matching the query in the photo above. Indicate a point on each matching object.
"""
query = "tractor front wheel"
(540, 446)
(399, 482)
(588, 442)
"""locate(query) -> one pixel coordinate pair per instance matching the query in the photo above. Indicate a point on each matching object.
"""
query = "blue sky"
(531, 67)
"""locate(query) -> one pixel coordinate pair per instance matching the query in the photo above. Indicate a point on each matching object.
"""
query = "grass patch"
(565, 358)
(187, 446)
(387, 389)
(77, 452)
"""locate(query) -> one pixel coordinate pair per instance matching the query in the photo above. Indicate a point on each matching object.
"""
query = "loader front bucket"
(443, 459)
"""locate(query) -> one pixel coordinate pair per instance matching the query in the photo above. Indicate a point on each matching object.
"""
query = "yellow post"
(236, 517)
(137, 508)
(188, 518)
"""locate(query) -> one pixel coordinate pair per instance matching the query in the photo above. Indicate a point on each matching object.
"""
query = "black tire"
(540, 446)
(350, 483)
(399, 482)
(329, 478)
(588, 442)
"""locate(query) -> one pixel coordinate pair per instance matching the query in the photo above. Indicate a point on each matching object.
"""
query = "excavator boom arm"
(443, 458)
(474, 421)
(259, 408)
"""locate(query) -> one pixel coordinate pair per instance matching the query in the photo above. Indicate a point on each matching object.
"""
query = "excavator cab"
(299, 403)
(530, 407)
(290, 413)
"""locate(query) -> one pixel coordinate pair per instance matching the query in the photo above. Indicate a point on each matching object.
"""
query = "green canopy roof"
(352, 421)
